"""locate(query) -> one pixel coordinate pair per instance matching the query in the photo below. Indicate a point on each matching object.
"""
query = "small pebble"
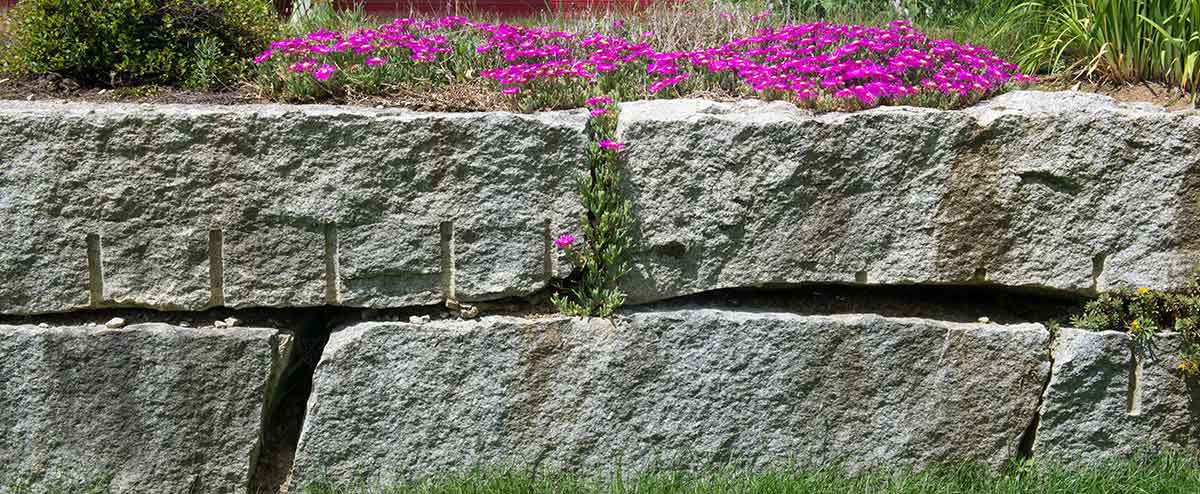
(453, 304)
(984, 320)
(470, 312)
(219, 324)
(232, 321)
(115, 323)
(185, 324)
(29, 98)
(43, 325)
(418, 319)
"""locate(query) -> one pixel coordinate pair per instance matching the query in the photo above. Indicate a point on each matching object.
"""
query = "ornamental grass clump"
(819, 64)
(1116, 40)
(1143, 312)
(601, 257)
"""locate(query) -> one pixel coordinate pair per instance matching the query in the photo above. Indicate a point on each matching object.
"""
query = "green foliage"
(1120, 40)
(199, 43)
(1144, 312)
(321, 15)
(40, 484)
(1163, 474)
(603, 258)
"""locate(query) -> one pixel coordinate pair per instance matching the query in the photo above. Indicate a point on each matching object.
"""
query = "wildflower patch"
(818, 64)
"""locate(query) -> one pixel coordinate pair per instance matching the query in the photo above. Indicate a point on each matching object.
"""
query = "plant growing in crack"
(601, 257)
(1143, 312)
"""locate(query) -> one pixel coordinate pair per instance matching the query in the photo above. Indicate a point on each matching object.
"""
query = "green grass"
(1114, 40)
(1149, 475)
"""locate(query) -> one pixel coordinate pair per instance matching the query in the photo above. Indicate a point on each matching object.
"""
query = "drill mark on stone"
(1055, 183)
(979, 276)
(95, 270)
(860, 277)
(331, 263)
(216, 267)
(1098, 270)
(447, 245)
(1133, 401)
(548, 258)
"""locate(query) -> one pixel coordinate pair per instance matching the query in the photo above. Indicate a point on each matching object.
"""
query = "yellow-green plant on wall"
(1144, 312)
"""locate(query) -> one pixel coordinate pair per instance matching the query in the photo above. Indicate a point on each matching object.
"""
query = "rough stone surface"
(687, 389)
(1103, 403)
(1066, 190)
(188, 207)
(196, 206)
(149, 408)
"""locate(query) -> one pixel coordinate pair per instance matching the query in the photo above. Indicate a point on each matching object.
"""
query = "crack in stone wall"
(1028, 441)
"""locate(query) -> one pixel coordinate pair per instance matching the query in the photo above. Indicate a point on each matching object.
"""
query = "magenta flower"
(264, 56)
(611, 145)
(324, 72)
(565, 240)
(599, 100)
(322, 36)
(305, 65)
(855, 64)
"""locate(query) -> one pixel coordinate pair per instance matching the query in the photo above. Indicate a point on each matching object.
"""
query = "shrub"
(1119, 40)
(198, 43)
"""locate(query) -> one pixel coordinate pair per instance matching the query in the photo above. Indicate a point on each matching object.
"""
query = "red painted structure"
(404, 8)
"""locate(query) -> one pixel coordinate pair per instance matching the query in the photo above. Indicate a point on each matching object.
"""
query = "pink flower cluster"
(406, 35)
(869, 65)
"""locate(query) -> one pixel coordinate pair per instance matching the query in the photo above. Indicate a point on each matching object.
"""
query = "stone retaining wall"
(156, 408)
(691, 389)
(188, 207)
(148, 408)
(1066, 191)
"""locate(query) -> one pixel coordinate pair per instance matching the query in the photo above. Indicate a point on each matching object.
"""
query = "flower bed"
(819, 64)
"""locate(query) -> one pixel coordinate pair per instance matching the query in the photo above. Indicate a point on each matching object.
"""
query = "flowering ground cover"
(818, 64)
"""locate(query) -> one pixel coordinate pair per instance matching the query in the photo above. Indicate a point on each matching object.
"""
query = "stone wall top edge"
(1015, 102)
(578, 116)
(664, 109)
(249, 333)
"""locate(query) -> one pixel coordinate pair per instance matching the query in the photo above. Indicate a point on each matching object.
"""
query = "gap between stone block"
(1028, 440)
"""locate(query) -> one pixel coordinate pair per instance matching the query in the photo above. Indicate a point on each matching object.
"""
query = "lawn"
(1161, 474)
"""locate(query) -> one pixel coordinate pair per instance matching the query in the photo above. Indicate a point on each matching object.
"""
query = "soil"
(461, 98)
